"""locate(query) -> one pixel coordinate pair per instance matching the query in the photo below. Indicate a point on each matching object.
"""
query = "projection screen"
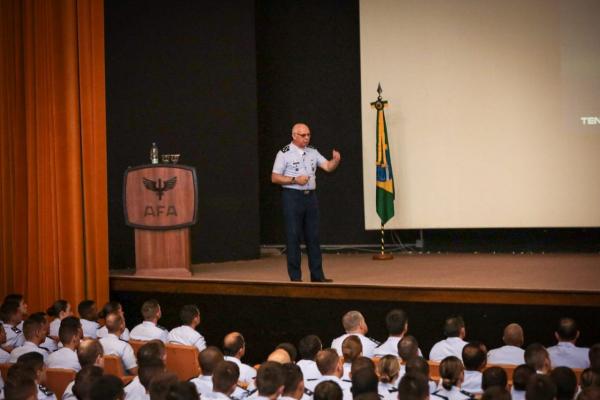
(494, 111)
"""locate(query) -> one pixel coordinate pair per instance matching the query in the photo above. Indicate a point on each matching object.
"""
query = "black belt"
(304, 192)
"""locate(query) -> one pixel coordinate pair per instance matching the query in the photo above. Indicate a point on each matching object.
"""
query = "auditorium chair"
(434, 370)
(114, 366)
(136, 344)
(376, 361)
(182, 360)
(508, 368)
(57, 380)
(4, 370)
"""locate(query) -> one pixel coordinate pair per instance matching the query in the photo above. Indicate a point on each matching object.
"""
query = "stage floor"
(561, 279)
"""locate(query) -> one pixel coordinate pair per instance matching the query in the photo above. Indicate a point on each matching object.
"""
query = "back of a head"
(269, 378)
(88, 352)
(160, 384)
(150, 309)
(327, 361)
(290, 349)
(87, 310)
(279, 356)
(107, 387)
(33, 360)
(594, 356)
(20, 383)
(352, 320)
(182, 391)
(364, 381)
(209, 358)
(147, 372)
(388, 368)
(309, 346)
(67, 332)
(57, 307)
(16, 298)
(413, 387)
(84, 380)
(473, 356)
(151, 352)
(110, 307)
(114, 322)
(536, 356)
(451, 371)
(396, 322)
(453, 326)
(521, 376)
(513, 335)
(351, 348)
(540, 387)
(225, 376)
(417, 365)
(493, 376)
(496, 393)
(31, 328)
(328, 390)
(233, 343)
(292, 376)
(188, 313)
(566, 382)
(590, 377)
(408, 348)
(362, 363)
(567, 329)
(8, 310)
(589, 393)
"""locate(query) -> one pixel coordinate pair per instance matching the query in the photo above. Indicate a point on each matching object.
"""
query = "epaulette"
(161, 327)
(374, 341)
(312, 379)
(470, 395)
(346, 380)
(43, 348)
(123, 340)
(16, 330)
(285, 149)
(393, 390)
(308, 392)
(251, 392)
(45, 390)
(439, 395)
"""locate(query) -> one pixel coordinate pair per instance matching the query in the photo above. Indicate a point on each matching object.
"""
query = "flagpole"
(382, 255)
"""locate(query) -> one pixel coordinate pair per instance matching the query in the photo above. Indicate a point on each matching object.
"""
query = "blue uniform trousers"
(301, 215)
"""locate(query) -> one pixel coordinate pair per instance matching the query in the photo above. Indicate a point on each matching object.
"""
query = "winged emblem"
(160, 187)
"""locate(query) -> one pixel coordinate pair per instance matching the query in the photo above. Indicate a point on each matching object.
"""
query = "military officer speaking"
(295, 170)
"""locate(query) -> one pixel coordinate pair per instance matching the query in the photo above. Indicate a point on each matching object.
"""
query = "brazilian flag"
(385, 179)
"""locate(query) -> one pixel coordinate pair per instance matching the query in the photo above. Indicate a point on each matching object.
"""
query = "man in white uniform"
(225, 378)
(186, 333)
(113, 345)
(455, 332)
(149, 329)
(234, 348)
(566, 353)
(354, 324)
(511, 353)
(66, 357)
(330, 366)
(34, 334)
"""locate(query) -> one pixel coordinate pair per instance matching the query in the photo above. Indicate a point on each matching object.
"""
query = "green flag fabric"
(385, 179)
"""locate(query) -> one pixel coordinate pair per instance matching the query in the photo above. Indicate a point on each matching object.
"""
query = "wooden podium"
(161, 203)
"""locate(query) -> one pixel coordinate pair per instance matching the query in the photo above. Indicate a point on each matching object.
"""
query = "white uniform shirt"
(247, 373)
(135, 390)
(185, 334)
(472, 382)
(309, 370)
(387, 391)
(448, 347)
(511, 355)
(68, 393)
(452, 394)
(28, 347)
(64, 358)
(203, 384)
(216, 396)
(566, 354)
(148, 330)
(102, 332)
(90, 328)
(389, 347)
(54, 327)
(14, 336)
(518, 394)
(113, 345)
(344, 385)
(368, 344)
(45, 394)
(4, 356)
(294, 161)
(49, 344)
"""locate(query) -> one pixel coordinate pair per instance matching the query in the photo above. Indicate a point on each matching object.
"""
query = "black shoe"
(296, 280)
(322, 280)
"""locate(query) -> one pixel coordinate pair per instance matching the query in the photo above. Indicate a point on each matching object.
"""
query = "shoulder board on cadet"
(16, 330)
(346, 380)
(308, 392)
(393, 390)
(161, 327)
(123, 340)
(467, 394)
(373, 340)
(45, 390)
(251, 392)
(285, 148)
(436, 393)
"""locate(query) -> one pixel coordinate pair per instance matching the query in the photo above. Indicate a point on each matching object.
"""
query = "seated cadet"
(590, 377)
(511, 353)
(455, 332)
(20, 383)
(354, 324)
(208, 359)
(107, 387)
(35, 362)
(566, 382)
(290, 349)
(494, 376)
(521, 376)
(161, 384)
(111, 344)
(234, 348)
(565, 353)
(388, 370)
(89, 318)
(589, 393)
(293, 383)
(279, 356)
(362, 363)
(540, 387)
(408, 348)
(23, 307)
(151, 359)
(330, 367)
(110, 307)
(186, 333)
(351, 350)
(149, 330)
(413, 387)
(537, 357)
(474, 359)
(452, 375)
(364, 382)
(328, 390)
(270, 380)
(496, 393)
(12, 317)
(396, 322)
(89, 354)
(59, 310)
(81, 387)
(34, 334)
(66, 357)
(225, 378)
(308, 348)
(419, 365)
(48, 344)
(4, 355)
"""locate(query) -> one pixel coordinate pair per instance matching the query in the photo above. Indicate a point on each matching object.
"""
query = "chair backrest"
(578, 372)
(113, 365)
(4, 370)
(57, 380)
(508, 368)
(136, 344)
(434, 370)
(183, 361)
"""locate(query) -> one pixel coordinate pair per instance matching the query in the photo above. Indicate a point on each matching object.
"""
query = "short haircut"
(39, 316)
(233, 343)
(327, 361)
(352, 320)
(87, 310)
(292, 376)
(33, 360)
(88, 352)
(14, 298)
(309, 346)
(589, 393)
(8, 310)
(451, 369)
(413, 387)
(269, 378)
(567, 329)
(151, 352)
(161, 383)
(521, 376)
(84, 380)
(364, 381)
(594, 356)
(536, 355)
(188, 313)
(225, 375)
(110, 307)
(408, 348)
(395, 321)
(493, 376)
(290, 349)
(149, 371)
(67, 332)
(388, 368)
(473, 356)
(590, 377)
(31, 328)
(496, 393)
(113, 321)
(20, 383)
(182, 391)
(351, 348)
(513, 335)
(540, 387)
(57, 307)
(362, 363)
(453, 325)
(328, 390)
(566, 382)
(150, 309)
(208, 359)
(107, 387)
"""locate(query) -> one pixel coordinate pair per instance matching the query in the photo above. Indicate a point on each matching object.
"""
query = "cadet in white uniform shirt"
(4, 355)
(209, 358)
(455, 332)
(388, 370)
(149, 330)
(234, 348)
(565, 353)
(521, 377)
(452, 374)
(330, 366)
(396, 322)
(225, 378)
(60, 310)
(511, 353)
(34, 334)
(293, 383)
(112, 306)
(354, 324)
(308, 348)
(66, 357)
(12, 317)
(270, 381)
(186, 333)
(89, 316)
(113, 345)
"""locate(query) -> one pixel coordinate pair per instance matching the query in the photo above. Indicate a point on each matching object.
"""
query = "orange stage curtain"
(53, 195)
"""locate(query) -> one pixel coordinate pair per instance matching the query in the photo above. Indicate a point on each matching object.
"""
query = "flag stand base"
(383, 256)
